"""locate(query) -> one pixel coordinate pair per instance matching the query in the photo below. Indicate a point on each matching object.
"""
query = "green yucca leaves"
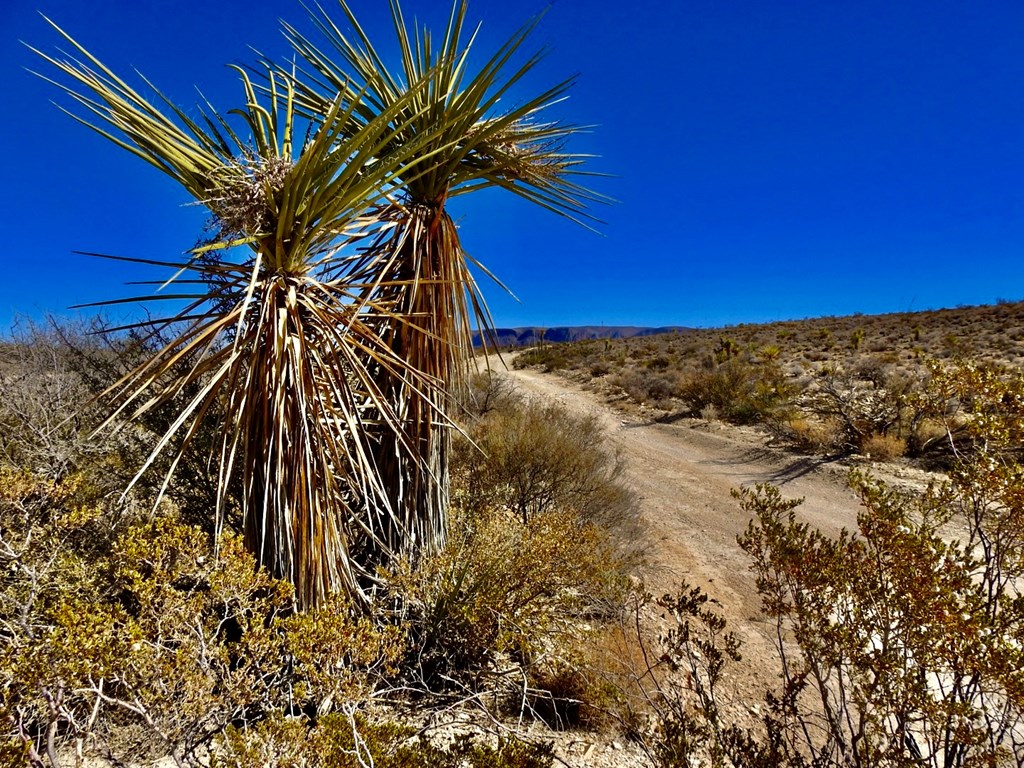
(479, 145)
(329, 313)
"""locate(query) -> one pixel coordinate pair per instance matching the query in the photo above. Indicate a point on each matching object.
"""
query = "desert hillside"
(992, 333)
(833, 385)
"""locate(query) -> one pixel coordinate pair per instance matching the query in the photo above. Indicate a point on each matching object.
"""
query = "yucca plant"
(289, 338)
(436, 106)
(336, 366)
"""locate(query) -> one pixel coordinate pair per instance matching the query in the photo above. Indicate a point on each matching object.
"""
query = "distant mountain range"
(523, 337)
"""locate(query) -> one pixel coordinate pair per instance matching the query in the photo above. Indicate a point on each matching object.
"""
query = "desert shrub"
(488, 391)
(899, 644)
(925, 436)
(136, 638)
(54, 378)
(536, 557)
(550, 357)
(559, 695)
(858, 406)
(47, 420)
(979, 407)
(532, 457)
(572, 694)
(710, 413)
(505, 588)
(100, 357)
(872, 402)
(909, 646)
(644, 386)
(954, 346)
(347, 741)
(659, 362)
(896, 647)
(880, 410)
(742, 391)
(680, 684)
(38, 428)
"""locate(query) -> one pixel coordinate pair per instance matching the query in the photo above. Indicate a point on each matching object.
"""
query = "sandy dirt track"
(683, 473)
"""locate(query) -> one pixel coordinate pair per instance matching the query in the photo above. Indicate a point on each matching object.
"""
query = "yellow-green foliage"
(138, 636)
(505, 586)
(901, 644)
(340, 741)
(332, 652)
(148, 640)
(743, 391)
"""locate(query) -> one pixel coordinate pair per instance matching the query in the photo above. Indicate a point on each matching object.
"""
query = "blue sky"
(771, 159)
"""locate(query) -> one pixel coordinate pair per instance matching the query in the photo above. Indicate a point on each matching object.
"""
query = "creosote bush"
(742, 391)
(135, 639)
(536, 566)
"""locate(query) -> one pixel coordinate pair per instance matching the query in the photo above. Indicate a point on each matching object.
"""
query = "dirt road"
(684, 473)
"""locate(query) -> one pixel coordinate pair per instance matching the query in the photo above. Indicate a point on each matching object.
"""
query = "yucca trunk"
(432, 336)
(294, 497)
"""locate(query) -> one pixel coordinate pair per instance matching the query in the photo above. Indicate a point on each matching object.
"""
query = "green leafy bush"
(739, 390)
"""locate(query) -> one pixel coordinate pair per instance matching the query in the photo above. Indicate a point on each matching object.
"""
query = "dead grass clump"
(813, 435)
(883, 447)
(564, 695)
(599, 685)
(926, 435)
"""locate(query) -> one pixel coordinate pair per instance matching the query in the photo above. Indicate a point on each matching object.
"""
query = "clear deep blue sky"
(771, 159)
